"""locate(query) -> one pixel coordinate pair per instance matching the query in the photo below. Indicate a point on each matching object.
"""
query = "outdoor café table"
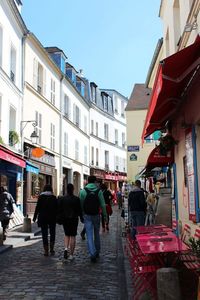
(152, 228)
(164, 246)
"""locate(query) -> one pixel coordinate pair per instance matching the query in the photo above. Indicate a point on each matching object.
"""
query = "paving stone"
(30, 275)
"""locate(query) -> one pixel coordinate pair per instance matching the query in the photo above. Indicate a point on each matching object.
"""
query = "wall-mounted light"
(34, 136)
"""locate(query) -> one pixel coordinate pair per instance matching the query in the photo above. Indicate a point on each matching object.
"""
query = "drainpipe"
(23, 207)
(61, 138)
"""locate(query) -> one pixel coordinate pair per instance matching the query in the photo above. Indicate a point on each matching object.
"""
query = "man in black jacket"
(137, 207)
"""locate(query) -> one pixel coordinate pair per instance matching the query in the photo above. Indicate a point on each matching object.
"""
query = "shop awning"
(11, 157)
(157, 160)
(173, 77)
(31, 168)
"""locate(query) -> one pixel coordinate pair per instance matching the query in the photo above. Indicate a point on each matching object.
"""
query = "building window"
(13, 56)
(77, 115)
(123, 140)
(76, 150)
(39, 77)
(92, 156)
(53, 91)
(97, 157)
(52, 137)
(107, 160)
(97, 129)
(38, 128)
(116, 137)
(12, 119)
(65, 144)
(1, 45)
(85, 124)
(93, 92)
(85, 155)
(122, 109)
(105, 101)
(117, 163)
(106, 132)
(66, 107)
(116, 105)
(92, 126)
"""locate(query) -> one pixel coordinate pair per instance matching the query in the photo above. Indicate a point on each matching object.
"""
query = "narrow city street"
(26, 274)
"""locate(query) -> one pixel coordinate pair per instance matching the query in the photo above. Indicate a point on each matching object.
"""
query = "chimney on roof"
(81, 73)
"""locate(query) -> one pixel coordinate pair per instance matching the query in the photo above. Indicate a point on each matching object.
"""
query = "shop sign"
(191, 180)
(111, 177)
(133, 148)
(12, 159)
(133, 157)
(45, 159)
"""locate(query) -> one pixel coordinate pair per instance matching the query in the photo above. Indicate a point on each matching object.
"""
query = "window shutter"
(35, 73)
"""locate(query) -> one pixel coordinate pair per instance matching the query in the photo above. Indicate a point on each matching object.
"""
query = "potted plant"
(167, 143)
(1, 140)
(13, 137)
(195, 246)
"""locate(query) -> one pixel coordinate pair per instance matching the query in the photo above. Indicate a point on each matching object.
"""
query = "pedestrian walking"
(91, 201)
(70, 208)
(119, 198)
(6, 209)
(136, 207)
(108, 201)
(45, 214)
(151, 205)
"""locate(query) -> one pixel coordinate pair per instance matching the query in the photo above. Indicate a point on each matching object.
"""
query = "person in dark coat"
(137, 207)
(6, 209)
(45, 214)
(108, 197)
(70, 208)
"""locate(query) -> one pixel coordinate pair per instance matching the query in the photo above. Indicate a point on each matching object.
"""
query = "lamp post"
(34, 136)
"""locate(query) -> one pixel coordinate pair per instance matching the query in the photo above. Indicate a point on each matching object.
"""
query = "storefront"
(175, 101)
(39, 172)
(11, 168)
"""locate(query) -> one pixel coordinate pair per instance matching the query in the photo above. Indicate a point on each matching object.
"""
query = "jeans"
(52, 231)
(137, 218)
(92, 226)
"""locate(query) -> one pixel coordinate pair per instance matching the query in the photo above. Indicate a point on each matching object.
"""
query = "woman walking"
(70, 210)
(6, 209)
(45, 213)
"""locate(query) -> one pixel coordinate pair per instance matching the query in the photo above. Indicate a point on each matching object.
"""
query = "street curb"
(25, 238)
(5, 248)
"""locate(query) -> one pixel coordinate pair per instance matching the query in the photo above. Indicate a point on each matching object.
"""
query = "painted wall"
(135, 124)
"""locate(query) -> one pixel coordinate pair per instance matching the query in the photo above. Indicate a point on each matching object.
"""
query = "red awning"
(173, 76)
(157, 160)
(11, 157)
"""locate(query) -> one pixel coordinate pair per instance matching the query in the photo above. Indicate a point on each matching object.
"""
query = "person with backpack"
(91, 201)
(6, 209)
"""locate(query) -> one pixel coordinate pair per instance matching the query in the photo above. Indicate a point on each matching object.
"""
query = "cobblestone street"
(27, 274)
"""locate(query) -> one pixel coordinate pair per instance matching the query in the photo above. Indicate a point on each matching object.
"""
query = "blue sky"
(113, 41)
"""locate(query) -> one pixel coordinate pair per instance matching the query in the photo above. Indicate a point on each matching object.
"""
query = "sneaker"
(97, 255)
(71, 257)
(66, 254)
(93, 259)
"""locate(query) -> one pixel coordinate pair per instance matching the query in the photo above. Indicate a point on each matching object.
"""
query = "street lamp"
(34, 136)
